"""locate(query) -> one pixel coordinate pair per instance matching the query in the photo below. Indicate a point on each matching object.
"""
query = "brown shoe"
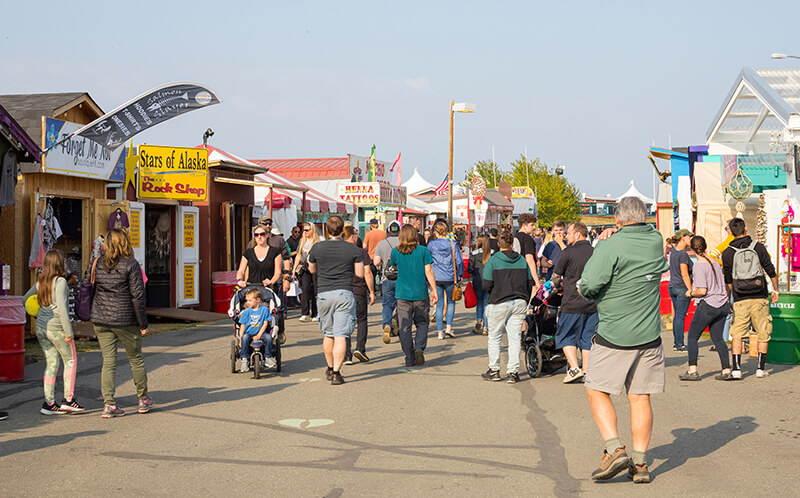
(387, 334)
(337, 379)
(328, 374)
(611, 464)
(639, 473)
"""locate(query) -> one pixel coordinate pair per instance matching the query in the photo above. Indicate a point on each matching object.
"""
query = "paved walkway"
(437, 430)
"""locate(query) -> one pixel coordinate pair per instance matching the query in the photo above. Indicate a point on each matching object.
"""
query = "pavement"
(434, 430)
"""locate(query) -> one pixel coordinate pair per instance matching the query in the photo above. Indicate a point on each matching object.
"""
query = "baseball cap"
(683, 233)
(393, 230)
(264, 219)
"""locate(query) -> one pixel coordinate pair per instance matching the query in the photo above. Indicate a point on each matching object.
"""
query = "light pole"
(464, 108)
(783, 56)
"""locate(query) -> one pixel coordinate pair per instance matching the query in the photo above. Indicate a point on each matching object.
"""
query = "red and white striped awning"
(316, 202)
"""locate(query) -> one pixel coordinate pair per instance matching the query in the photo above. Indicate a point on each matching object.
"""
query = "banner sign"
(146, 111)
(173, 173)
(384, 171)
(521, 192)
(372, 194)
(78, 156)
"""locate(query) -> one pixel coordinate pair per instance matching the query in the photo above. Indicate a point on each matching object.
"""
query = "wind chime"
(740, 187)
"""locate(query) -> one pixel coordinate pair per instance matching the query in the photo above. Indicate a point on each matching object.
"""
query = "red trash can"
(223, 285)
(12, 339)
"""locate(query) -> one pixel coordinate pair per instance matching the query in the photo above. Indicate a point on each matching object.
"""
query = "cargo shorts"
(755, 312)
(635, 371)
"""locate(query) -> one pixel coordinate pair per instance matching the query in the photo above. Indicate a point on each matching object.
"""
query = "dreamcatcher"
(160, 237)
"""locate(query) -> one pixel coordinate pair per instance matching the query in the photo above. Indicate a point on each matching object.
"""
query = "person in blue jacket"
(448, 268)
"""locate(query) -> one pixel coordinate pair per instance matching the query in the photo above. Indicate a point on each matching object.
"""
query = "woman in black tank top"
(259, 263)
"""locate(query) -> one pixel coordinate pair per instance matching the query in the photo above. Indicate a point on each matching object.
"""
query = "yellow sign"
(173, 173)
(188, 282)
(188, 230)
(135, 228)
(521, 192)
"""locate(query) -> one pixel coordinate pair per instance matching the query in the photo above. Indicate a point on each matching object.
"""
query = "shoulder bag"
(457, 292)
(83, 305)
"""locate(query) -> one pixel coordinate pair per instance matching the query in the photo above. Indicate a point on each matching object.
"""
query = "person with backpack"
(744, 264)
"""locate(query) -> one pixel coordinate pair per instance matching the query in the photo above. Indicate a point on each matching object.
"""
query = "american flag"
(444, 187)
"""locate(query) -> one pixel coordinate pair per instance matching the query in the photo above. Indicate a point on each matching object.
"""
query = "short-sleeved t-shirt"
(677, 257)
(335, 261)
(494, 245)
(551, 251)
(526, 244)
(710, 277)
(359, 284)
(371, 240)
(570, 266)
(258, 271)
(253, 320)
(412, 285)
(384, 249)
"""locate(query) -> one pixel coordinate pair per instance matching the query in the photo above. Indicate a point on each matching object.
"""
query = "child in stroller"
(253, 313)
(539, 342)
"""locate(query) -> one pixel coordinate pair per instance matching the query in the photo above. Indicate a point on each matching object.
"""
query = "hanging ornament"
(740, 188)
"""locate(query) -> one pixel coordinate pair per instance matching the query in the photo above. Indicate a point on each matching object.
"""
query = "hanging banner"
(79, 156)
(385, 172)
(172, 173)
(147, 110)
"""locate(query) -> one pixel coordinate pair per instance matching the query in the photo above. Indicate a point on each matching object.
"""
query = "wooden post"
(270, 202)
(450, 172)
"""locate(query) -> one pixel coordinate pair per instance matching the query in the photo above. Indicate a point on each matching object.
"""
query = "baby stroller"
(539, 343)
(238, 304)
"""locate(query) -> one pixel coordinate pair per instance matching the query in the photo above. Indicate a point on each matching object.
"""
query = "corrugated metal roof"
(308, 168)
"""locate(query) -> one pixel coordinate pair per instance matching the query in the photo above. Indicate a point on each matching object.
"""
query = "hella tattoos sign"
(178, 173)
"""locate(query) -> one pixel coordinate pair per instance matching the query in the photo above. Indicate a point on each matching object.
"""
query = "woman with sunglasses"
(308, 298)
(261, 264)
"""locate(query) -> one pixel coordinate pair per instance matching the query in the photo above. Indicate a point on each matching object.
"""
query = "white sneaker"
(736, 374)
(245, 365)
(305, 318)
(573, 374)
(315, 319)
(269, 362)
(760, 374)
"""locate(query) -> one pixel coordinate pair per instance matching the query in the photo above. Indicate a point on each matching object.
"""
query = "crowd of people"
(609, 310)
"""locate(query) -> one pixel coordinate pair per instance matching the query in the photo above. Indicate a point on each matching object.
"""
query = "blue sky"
(589, 85)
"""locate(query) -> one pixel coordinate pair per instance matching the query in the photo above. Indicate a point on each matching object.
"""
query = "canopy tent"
(634, 192)
(417, 184)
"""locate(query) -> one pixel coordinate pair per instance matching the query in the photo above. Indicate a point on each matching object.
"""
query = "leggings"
(54, 346)
(714, 318)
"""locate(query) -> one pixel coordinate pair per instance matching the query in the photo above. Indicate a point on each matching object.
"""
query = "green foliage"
(558, 198)
(488, 170)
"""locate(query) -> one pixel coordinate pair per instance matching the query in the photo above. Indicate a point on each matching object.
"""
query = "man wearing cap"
(276, 240)
(381, 259)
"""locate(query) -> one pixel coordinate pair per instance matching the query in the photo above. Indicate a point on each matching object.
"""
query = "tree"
(488, 170)
(558, 199)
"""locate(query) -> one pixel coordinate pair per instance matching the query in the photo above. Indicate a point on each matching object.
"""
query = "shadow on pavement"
(698, 443)
(24, 444)
(195, 396)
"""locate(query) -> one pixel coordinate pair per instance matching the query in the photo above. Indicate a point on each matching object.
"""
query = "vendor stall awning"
(316, 202)
(308, 169)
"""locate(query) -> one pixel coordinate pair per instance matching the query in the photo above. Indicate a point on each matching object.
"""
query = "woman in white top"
(308, 301)
(54, 332)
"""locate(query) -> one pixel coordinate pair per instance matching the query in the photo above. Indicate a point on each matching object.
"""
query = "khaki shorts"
(636, 371)
(755, 311)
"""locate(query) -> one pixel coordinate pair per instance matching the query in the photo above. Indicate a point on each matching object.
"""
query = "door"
(188, 256)
(136, 232)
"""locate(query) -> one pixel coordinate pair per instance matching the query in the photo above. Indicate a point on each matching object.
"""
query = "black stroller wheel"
(257, 361)
(533, 360)
(234, 354)
(277, 356)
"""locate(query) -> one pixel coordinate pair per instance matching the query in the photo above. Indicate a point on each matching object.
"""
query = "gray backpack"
(748, 276)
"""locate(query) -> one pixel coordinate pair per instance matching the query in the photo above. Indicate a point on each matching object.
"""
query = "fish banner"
(147, 110)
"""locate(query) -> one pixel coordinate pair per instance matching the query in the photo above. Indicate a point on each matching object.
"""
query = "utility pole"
(450, 172)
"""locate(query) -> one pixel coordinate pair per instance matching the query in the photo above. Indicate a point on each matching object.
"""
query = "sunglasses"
(260, 234)
(306, 229)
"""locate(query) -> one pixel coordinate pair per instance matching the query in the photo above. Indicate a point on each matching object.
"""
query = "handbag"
(83, 305)
(390, 272)
(470, 298)
(457, 292)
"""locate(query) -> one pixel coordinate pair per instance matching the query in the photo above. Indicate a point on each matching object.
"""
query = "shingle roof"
(28, 109)
(308, 169)
(18, 138)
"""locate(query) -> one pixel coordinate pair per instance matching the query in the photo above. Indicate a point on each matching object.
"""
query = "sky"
(589, 85)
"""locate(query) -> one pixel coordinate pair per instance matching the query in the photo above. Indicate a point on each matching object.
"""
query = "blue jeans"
(442, 291)
(389, 302)
(681, 304)
(507, 316)
(244, 353)
(480, 308)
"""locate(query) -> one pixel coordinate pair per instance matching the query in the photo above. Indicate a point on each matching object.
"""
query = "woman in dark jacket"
(477, 259)
(118, 315)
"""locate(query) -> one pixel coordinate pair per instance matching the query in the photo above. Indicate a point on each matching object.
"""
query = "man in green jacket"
(623, 276)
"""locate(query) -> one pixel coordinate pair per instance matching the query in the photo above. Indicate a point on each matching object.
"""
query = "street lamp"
(466, 108)
(784, 56)
(206, 134)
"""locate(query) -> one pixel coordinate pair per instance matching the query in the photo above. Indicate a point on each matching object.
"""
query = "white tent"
(417, 184)
(633, 192)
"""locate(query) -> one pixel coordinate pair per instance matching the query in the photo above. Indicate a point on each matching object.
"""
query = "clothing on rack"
(118, 219)
(51, 230)
(36, 257)
(8, 178)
